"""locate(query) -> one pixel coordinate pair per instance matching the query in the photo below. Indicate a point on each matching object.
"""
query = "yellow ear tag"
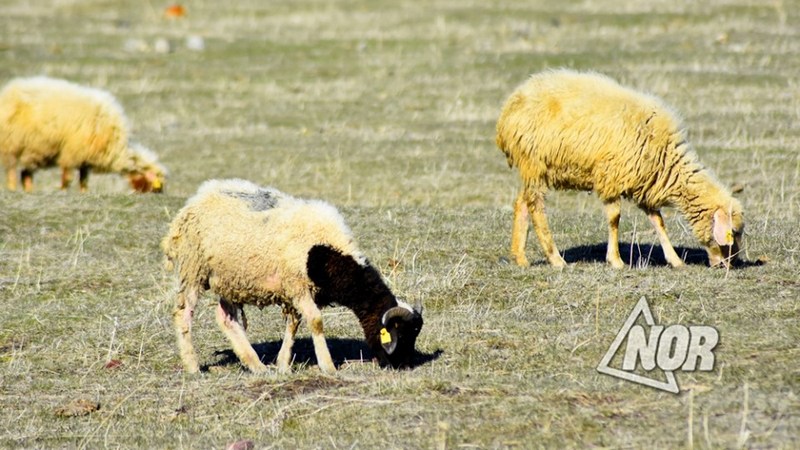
(386, 338)
(729, 237)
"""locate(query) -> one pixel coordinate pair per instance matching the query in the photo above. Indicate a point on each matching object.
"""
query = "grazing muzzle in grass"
(727, 230)
(146, 182)
(401, 326)
(724, 255)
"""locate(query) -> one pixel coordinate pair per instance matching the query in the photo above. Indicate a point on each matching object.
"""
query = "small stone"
(162, 46)
(195, 43)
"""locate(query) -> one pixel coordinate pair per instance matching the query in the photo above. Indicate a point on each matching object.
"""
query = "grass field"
(387, 110)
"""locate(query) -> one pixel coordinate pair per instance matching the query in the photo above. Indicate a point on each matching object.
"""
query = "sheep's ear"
(722, 227)
(328, 267)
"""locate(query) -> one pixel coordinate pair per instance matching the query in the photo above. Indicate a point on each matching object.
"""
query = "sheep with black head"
(258, 246)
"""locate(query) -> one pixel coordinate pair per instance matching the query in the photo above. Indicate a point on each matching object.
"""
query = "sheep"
(47, 122)
(571, 130)
(258, 246)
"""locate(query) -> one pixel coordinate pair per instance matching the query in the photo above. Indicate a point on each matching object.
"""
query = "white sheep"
(47, 122)
(569, 130)
(258, 246)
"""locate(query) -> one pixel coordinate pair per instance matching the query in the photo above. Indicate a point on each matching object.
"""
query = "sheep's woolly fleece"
(231, 237)
(46, 121)
(570, 130)
(259, 246)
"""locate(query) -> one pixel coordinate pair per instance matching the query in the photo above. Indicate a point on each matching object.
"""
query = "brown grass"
(387, 110)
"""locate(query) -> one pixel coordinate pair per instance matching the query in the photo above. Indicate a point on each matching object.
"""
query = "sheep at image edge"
(569, 130)
(258, 246)
(47, 122)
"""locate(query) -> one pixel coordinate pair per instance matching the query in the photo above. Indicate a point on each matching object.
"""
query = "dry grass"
(387, 109)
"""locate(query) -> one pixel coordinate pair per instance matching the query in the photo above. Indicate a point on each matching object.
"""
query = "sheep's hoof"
(523, 262)
(257, 368)
(616, 263)
(558, 262)
(328, 369)
(191, 366)
(192, 370)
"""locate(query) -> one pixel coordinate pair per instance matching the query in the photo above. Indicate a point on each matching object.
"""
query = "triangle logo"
(641, 309)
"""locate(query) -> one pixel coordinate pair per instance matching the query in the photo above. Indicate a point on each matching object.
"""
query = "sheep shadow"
(636, 255)
(643, 255)
(342, 351)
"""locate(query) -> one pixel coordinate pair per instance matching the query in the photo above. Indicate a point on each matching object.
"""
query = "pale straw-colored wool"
(47, 122)
(250, 245)
(569, 130)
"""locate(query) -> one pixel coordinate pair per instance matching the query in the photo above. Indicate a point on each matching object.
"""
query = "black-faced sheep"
(258, 246)
(47, 122)
(568, 130)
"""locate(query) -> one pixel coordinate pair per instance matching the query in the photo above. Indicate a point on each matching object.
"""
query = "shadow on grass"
(643, 255)
(637, 255)
(342, 350)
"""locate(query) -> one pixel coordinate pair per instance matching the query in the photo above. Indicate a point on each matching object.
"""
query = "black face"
(402, 333)
(391, 330)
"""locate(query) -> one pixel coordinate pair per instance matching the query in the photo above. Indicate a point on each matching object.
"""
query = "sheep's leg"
(539, 218)
(308, 309)
(612, 209)
(519, 232)
(669, 253)
(11, 178)
(228, 320)
(83, 178)
(243, 318)
(27, 180)
(66, 178)
(182, 317)
(285, 354)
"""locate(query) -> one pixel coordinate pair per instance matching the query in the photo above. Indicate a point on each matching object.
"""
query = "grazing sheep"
(47, 122)
(568, 130)
(258, 246)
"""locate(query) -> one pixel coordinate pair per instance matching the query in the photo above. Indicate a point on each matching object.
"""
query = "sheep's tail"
(502, 145)
(9, 101)
(509, 137)
(169, 264)
(169, 245)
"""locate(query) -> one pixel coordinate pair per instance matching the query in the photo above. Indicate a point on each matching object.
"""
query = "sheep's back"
(572, 130)
(44, 118)
(254, 242)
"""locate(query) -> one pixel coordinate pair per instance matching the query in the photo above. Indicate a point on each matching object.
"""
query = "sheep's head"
(401, 326)
(390, 326)
(146, 182)
(144, 172)
(727, 227)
